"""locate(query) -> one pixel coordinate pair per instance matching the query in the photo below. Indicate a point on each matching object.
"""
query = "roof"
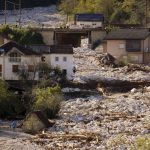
(61, 49)
(42, 118)
(11, 44)
(127, 34)
(41, 49)
(89, 17)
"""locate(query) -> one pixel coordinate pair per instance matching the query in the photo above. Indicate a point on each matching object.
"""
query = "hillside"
(115, 11)
(28, 3)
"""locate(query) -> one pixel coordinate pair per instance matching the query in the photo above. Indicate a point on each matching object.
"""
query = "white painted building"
(62, 56)
(14, 57)
(89, 20)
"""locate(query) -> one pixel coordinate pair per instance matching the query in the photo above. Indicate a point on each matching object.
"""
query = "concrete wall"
(68, 65)
(116, 48)
(89, 24)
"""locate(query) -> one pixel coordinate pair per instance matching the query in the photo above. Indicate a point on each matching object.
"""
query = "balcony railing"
(14, 59)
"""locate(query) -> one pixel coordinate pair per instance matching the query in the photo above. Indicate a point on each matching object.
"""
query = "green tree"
(10, 104)
(47, 100)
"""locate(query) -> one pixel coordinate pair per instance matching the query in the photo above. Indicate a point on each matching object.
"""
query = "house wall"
(113, 47)
(68, 65)
(87, 24)
(7, 73)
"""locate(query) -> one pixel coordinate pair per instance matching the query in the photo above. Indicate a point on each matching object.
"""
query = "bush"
(22, 36)
(47, 100)
(10, 104)
(142, 143)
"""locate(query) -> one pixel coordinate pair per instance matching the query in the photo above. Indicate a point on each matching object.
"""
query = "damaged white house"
(13, 56)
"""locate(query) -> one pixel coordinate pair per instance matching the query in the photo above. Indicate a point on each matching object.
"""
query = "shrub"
(10, 104)
(142, 143)
(21, 35)
(47, 100)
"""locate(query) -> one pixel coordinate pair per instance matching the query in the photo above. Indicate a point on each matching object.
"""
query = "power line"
(14, 4)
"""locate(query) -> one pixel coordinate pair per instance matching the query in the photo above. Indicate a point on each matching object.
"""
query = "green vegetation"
(10, 104)
(21, 35)
(47, 100)
(115, 11)
(142, 143)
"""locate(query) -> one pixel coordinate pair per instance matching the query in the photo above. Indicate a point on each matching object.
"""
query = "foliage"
(10, 104)
(115, 11)
(21, 35)
(47, 100)
(142, 143)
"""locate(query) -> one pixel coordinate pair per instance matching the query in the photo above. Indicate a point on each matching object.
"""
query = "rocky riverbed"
(114, 122)
(90, 67)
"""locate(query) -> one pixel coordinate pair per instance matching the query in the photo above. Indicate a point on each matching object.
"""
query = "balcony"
(14, 59)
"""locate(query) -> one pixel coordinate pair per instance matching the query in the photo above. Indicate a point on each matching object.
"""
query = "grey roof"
(52, 49)
(41, 49)
(127, 34)
(11, 44)
(61, 49)
(89, 17)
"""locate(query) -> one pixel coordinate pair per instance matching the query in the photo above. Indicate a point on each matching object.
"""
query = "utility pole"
(5, 11)
(146, 10)
(19, 12)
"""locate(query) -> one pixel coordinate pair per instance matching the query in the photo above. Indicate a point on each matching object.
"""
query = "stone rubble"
(89, 67)
(96, 122)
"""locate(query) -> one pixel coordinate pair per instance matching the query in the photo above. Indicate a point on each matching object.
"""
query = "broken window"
(133, 45)
(15, 68)
(30, 68)
(64, 71)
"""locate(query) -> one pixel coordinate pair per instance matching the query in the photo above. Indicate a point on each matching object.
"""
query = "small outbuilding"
(35, 121)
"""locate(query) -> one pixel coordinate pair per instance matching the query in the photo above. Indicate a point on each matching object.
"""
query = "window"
(65, 59)
(43, 58)
(14, 57)
(121, 46)
(15, 68)
(64, 71)
(56, 58)
(133, 45)
(0, 70)
(30, 68)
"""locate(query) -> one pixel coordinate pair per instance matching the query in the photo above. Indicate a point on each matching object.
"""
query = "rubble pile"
(35, 17)
(97, 122)
(90, 65)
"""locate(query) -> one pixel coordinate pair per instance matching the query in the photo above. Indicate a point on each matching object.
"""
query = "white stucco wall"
(68, 65)
(89, 24)
(7, 73)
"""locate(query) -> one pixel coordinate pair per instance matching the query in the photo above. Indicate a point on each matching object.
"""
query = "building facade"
(130, 44)
(89, 20)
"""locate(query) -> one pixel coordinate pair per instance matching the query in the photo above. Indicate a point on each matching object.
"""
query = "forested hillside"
(116, 11)
(27, 3)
